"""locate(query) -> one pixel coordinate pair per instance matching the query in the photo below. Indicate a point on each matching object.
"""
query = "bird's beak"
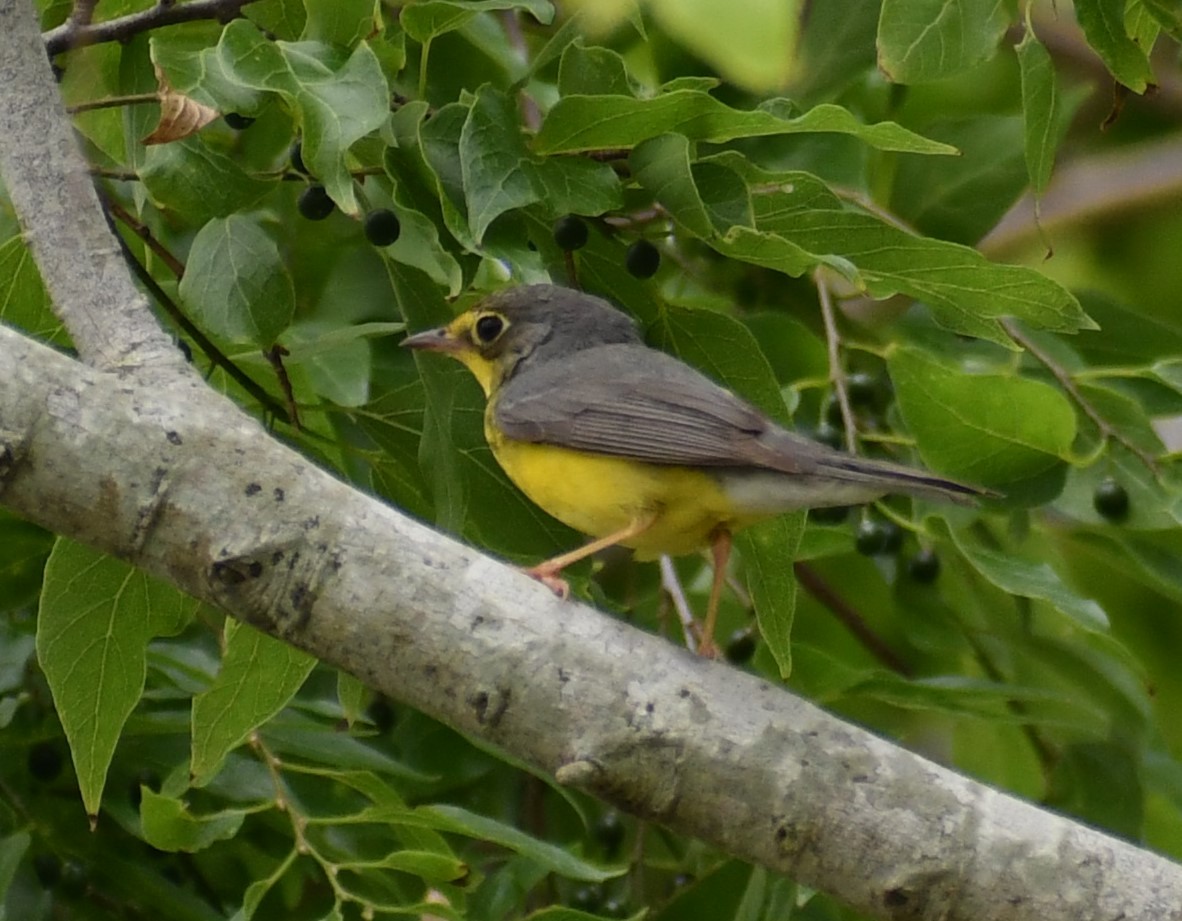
(433, 340)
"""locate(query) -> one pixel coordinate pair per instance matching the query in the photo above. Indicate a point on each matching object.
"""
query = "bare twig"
(836, 372)
(75, 32)
(672, 586)
(114, 102)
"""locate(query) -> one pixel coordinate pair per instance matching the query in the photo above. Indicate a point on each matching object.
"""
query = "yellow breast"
(599, 494)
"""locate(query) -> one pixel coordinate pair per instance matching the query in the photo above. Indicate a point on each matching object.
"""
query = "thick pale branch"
(176, 480)
(53, 194)
(182, 485)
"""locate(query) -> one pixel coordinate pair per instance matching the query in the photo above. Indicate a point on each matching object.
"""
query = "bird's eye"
(488, 327)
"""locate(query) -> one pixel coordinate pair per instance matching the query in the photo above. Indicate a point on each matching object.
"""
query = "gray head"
(543, 322)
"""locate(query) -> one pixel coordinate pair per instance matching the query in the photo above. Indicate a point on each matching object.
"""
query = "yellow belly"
(599, 495)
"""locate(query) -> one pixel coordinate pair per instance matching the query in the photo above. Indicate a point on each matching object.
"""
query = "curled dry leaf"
(180, 116)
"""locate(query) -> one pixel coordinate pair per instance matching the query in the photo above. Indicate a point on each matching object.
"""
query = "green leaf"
(432, 867)
(495, 164)
(336, 98)
(960, 199)
(1168, 13)
(593, 71)
(191, 179)
(258, 677)
(427, 19)
(1103, 23)
(578, 123)
(554, 859)
(1040, 110)
(352, 696)
(1026, 579)
(966, 292)
(341, 22)
(236, 283)
(24, 302)
(664, 167)
(989, 429)
(768, 550)
(751, 44)
(924, 40)
(96, 617)
(573, 185)
(169, 826)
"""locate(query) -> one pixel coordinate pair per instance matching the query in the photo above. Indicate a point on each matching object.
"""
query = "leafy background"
(160, 761)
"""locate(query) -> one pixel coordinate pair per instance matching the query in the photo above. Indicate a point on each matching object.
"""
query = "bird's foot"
(551, 579)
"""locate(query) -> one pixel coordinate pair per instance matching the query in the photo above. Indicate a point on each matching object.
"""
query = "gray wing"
(631, 401)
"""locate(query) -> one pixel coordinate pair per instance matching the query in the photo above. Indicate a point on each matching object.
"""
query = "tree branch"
(54, 198)
(78, 31)
(187, 488)
(175, 479)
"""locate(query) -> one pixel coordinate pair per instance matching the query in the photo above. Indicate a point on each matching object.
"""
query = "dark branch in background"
(823, 592)
(78, 31)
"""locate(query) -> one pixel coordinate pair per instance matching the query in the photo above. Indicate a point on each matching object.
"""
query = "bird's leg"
(720, 552)
(548, 572)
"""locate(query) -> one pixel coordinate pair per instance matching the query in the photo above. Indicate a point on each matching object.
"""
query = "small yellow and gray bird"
(633, 447)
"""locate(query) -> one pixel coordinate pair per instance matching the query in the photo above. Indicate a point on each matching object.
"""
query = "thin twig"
(836, 373)
(74, 33)
(275, 355)
(1063, 376)
(144, 232)
(672, 586)
(850, 618)
(113, 102)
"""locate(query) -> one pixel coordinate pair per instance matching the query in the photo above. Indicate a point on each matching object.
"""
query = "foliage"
(775, 169)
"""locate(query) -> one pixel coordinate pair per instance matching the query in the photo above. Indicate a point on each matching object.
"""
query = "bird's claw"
(558, 585)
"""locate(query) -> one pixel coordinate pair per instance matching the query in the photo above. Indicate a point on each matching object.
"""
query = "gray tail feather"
(908, 481)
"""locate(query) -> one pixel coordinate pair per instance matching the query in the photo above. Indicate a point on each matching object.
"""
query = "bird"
(632, 446)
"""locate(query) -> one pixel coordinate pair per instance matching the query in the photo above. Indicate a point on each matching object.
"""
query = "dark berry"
(314, 203)
(74, 879)
(830, 435)
(45, 761)
(609, 832)
(863, 389)
(1111, 500)
(832, 514)
(382, 227)
(48, 868)
(297, 158)
(740, 647)
(871, 538)
(892, 540)
(570, 233)
(924, 566)
(614, 908)
(833, 414)
(642, 259)
(236, 121)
